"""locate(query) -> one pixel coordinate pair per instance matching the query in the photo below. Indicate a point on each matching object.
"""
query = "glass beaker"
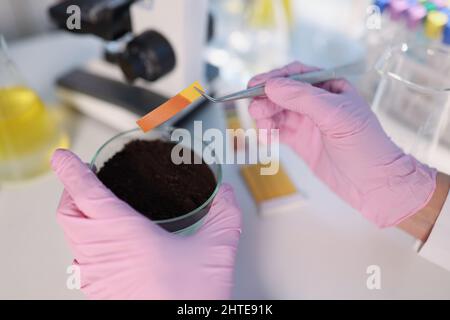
(187, 223)
(413, 100)
(252, 36)
(28, 131)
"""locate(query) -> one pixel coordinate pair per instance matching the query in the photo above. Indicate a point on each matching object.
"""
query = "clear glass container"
(185, 224)
(29, 132)
(250, 37)
(412, 100)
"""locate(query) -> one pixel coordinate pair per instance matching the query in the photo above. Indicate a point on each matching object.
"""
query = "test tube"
(430, 6)
(415, 15)
(398, 9)
(434, 24)
(382, 4)
(446, 34)
(440, 3)
(398, 12)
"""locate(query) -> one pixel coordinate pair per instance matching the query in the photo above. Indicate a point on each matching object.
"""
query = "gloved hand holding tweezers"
(334, 130)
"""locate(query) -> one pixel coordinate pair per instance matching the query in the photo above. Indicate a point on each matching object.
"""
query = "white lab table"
(321, 251)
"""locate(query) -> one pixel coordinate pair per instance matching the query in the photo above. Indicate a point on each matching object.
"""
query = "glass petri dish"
(185, 224)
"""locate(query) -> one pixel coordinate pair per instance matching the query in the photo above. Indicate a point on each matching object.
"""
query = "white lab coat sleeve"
(437, 248)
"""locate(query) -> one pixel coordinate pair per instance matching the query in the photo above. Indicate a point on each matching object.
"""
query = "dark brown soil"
(143, 175)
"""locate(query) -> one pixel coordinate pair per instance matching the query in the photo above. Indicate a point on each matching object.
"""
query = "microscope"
(153, 49)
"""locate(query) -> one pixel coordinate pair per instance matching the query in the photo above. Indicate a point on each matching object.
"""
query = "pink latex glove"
(334, 130)
(123, 255)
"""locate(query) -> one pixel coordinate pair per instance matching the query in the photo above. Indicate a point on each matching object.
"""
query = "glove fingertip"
(61, 160)
(57, 157)
(226, 192)
(256, 80)
(255, 109)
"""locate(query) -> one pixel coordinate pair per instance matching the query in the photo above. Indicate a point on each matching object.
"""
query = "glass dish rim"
(166, 129)
(402, 48)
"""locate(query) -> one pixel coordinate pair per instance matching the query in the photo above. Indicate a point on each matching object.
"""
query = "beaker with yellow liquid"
(29, 133)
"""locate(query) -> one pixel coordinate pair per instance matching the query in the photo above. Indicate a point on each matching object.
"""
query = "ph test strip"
(170, 108)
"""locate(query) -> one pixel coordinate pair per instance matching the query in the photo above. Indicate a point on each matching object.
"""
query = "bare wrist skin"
(421, 224)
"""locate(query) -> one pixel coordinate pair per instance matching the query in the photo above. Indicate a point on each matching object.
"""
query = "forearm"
(421, 224)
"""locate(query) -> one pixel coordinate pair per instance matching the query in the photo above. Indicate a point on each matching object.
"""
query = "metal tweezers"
(311, 77)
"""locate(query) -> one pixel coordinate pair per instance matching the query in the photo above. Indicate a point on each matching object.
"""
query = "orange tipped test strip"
(170, 108)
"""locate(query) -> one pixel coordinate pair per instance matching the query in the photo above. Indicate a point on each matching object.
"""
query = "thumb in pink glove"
(124, 255)
(334, 130)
